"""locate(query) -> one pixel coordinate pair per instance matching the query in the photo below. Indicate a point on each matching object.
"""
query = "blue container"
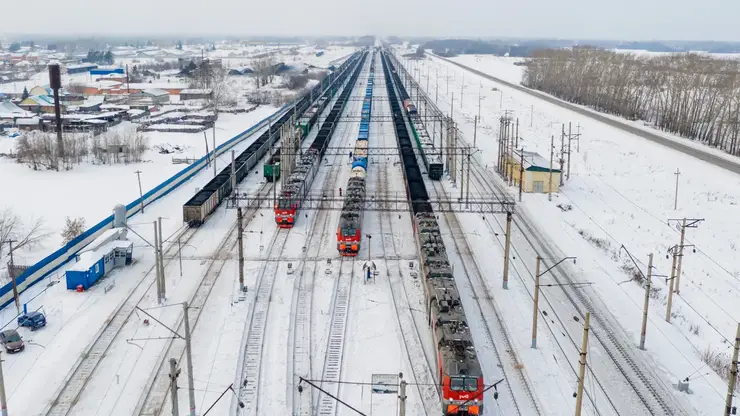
(361, 162)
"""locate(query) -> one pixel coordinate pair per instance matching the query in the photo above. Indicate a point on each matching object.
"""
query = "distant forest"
(525, 48)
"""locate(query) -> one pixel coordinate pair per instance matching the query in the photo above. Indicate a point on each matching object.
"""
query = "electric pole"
(141, 195)
(189, 356)
(675, 200)
(240, 238)
(475, 129)
(467, 180)
(462, 172)
(670, 288)
(161, 259)
(582, 365)
(685, 223)
(536, 311)
(156, 263)
(570, 139)
(733, 374)
(214, 149)
(174, 373)
(562, 154)
(549, 185)
(506, 249)
(643, 330)
(402, 395)
(521, 175)
(4, 401)
(233, 177)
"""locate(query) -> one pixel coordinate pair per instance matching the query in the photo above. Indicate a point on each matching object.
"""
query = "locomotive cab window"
(349, 231)
(463, 384)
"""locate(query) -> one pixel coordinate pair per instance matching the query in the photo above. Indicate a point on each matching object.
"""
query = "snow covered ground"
(621, 191)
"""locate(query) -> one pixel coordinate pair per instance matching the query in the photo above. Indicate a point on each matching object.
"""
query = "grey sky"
(579, 19)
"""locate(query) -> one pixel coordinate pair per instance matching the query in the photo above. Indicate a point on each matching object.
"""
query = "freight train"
(349, 232)
(205, 201)
(431, 155)
(459, 372)
(298, 184)
(271, 168)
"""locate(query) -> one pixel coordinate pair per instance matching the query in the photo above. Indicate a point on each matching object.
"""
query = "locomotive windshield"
(284, 203)
(463, 384)
(349, 231)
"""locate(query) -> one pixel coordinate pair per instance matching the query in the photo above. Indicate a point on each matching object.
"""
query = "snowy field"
(621, 191)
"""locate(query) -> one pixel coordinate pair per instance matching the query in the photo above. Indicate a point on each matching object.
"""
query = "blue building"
(80, 68)
(104, 254)
(106, 70)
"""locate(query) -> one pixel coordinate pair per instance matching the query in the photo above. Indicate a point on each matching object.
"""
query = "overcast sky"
(577, 19)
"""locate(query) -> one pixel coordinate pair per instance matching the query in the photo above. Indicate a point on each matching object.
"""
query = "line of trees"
(692, 95)
(38, 150)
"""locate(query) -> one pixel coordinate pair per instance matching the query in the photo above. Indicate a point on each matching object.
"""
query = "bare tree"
(695, 96)
(73, 227)
(13, 228)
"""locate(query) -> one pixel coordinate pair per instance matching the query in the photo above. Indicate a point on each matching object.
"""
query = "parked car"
(33, 320)
(11, 340)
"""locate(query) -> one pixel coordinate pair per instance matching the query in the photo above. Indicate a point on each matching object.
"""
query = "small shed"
(537, 172)
(196, 94)
(103, 255)
(157, 95)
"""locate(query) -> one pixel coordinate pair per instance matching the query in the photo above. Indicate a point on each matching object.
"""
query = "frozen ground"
(621, 191)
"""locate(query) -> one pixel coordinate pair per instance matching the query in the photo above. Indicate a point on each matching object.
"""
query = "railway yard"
(338, 249)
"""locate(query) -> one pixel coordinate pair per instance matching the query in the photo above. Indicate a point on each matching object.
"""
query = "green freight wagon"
(271, 168)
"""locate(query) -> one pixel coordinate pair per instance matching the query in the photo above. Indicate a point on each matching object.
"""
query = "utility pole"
(4, 401)
(643, 329)
(733, 374)
(670, 288)
(174, 373)
(521, 175)
(240, 238)
(233, 177)
(156, 263)
(516, 135)
(208, 153)
(675, 200)
(570, 138)
(189, 355)
(549, 185)
(582, 365)
(562, 153)
(161, 259)
(467, 180)
(214, 149)
(531, 115)
(475, 129)
(11, 272)
(685, 223)
(402, 395)
(141, 195)
(462, 171)
(506, 250)
(536, 310)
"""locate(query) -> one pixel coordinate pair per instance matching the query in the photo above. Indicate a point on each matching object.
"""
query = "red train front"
(285, 211)
(462, 394)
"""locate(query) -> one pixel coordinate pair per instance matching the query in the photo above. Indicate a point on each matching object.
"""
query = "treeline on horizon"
(525, 48)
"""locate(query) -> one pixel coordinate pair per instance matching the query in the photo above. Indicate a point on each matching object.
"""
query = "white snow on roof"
(156, 92)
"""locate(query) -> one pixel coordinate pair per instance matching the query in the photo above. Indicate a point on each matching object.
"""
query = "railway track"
(332, 370)
(651, 393)
(155, 393)
(73, 385)
(302, 402)
(420, 367)
(250, 369)
(511, 368)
